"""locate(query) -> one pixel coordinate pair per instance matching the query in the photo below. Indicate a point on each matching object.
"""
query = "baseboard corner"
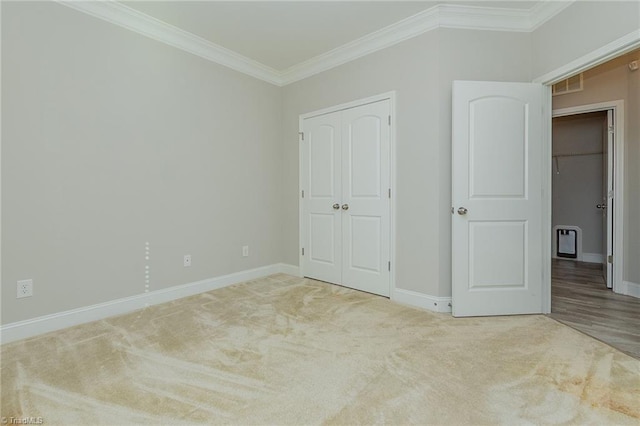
(593, 257)
(285, 268)
(421, 300)
(630, 289)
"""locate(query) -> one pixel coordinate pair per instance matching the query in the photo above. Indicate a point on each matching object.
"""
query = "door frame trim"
(596, 57)
(391, 96)
(618, 178)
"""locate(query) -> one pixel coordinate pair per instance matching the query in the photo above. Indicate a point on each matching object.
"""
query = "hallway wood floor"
(580, 299)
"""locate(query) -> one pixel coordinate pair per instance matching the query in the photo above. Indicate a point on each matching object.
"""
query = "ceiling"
(285, 41)
(281, 34)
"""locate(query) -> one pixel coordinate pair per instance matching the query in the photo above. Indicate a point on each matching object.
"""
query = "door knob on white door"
(601, 206)
(336, 206)
(462, 211)
(345, 207)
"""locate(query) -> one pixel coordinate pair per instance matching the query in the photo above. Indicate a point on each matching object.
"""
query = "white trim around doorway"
(618, 178)
(616, 48)
(611, 50)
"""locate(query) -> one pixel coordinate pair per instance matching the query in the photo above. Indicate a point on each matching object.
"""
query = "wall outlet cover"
(187, 260)
(25, 289)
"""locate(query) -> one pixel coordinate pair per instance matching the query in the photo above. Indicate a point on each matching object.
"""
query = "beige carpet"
(284, 350)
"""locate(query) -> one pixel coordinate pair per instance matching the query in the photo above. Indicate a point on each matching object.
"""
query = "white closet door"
(365, 197)
(322, 215)
(345, 176)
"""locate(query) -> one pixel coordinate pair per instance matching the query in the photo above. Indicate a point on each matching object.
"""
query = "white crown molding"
(599, 56)
(403, 30)
(483, 18)
(141, 23)
(439, 16)
(543, 11)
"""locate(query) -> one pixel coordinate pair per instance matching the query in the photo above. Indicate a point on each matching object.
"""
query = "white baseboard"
(584, 257)
(593, 257)
(289, 269)
(420, 300)
(630, 289)
(44, 324)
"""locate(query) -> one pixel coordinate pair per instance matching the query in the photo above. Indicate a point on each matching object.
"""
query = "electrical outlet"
(25, 288)
(187, 260)
(245, 251)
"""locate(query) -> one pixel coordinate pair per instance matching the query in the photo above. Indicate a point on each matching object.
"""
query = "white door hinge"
(389, 192)
(303, 193)
(610, 259)
(389, 120)
(303, 251)
(301, 135)
(389, 265)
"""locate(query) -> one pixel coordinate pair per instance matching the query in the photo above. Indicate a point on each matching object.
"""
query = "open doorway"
(611, 85)
(588, 143)
(582, 190)
(592, 160)
(585, 153)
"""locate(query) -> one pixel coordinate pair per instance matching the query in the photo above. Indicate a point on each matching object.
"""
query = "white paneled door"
(322, 192)
(496, 198)
(345, 179)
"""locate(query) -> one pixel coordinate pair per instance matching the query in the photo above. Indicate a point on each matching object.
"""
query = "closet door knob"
(601, 206)
(345, 207)
(462, 211)
(336, 206)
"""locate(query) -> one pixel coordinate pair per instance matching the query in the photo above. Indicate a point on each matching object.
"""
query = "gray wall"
(421, 71)
(609, 82)
(578, 179)
(416, 83)
(110, 140)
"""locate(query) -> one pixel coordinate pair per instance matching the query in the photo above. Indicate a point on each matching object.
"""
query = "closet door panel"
(321, 176)
(365, 197)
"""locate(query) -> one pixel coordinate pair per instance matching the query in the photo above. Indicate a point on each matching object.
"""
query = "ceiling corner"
(141, 23)
(545, 10)
(441, 15)
(405, 29)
